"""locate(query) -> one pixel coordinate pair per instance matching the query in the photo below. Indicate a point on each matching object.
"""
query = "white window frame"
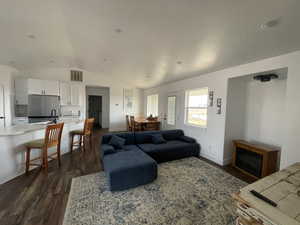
(151, 111)
(186, 122)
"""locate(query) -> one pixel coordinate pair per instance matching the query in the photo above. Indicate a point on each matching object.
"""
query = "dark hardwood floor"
(40, 198)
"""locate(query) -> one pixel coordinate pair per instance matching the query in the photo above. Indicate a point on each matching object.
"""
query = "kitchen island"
(12, 148)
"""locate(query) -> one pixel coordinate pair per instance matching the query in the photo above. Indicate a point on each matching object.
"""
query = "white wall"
(235, 114)
(138, 98)
(117, 117)
(212, 138)
(6, 74)
(265, 111)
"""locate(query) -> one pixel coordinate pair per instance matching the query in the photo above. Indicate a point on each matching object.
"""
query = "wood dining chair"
(128, 124)
(134, 125)
(52, 139)
(83, 135)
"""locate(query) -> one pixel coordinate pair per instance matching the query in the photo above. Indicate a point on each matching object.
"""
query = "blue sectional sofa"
(130, 159)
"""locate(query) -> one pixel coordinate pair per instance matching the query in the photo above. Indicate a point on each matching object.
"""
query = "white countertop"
(25, 128)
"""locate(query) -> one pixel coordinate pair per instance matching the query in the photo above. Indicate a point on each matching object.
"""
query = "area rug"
(186, 192)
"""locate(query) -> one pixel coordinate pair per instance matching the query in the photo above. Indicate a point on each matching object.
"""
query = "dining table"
(145, 124)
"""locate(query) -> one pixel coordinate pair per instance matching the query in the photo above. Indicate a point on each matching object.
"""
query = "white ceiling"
(205, 35)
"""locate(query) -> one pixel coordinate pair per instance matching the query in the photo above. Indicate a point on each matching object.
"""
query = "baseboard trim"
(227, 161)
(211, 158)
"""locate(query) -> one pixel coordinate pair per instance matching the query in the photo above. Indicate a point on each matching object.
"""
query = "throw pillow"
(117, 142)
(158, 139)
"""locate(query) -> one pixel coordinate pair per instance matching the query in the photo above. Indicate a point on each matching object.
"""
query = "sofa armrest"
(187, 139)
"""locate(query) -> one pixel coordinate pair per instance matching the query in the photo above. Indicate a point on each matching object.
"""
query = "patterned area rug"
(186, 192)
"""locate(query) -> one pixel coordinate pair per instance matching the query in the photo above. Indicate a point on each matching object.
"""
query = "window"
(171, 110)
(152, 105)
(196, 107)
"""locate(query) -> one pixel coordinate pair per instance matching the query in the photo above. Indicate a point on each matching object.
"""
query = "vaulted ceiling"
(146, 42)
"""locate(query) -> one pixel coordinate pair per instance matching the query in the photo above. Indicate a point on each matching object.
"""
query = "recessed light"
(118, 30)
(270, 24)
(31, 36)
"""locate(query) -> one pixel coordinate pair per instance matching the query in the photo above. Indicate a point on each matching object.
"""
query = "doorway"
(98, 105)
(171, 118)
(95, 109)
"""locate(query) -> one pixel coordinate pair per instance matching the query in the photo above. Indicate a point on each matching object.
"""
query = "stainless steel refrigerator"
(43, 108)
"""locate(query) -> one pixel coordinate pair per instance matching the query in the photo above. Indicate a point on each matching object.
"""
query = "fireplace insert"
(249, 161)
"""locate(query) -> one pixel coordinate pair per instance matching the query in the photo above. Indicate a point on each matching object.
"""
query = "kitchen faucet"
(54, 115)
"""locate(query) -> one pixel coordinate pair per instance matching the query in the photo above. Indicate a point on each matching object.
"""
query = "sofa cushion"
(107, 149)
(158, 139)
(131, 147)
(129, 169)
(170, 135)
(144, 137)
(128, 136)
(117, 142)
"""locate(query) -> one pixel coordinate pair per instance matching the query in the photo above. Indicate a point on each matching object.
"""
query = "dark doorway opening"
(95, 109)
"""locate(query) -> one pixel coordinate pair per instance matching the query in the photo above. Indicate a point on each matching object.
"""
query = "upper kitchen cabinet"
(43, 87)
(69, 94)
(21, 94)
(51, 88)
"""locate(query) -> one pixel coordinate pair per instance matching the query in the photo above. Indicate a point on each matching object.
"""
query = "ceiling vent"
(76, 75)
(265, 77)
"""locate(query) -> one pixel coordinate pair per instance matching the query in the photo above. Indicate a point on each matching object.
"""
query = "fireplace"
(249, 161)
(256, 160)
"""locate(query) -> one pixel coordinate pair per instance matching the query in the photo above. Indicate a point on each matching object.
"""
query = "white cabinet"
(43, 87)
(65, 93)
(69, 94)
(35, 87)
(21, 93)
(51, 87)
(75, 94)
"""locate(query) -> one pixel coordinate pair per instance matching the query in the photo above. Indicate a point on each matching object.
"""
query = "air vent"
(76, 75)
(265, 77)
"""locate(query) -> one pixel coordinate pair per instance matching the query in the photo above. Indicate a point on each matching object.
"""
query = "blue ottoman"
(128, 169)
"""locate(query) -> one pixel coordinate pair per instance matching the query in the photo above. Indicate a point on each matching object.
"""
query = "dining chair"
(134, 125)
(52, 138)
(83, 135)
(128, 124)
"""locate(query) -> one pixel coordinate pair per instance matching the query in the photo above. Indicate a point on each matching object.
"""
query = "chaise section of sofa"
(129, 169)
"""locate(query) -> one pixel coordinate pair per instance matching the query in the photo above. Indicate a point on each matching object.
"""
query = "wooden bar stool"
(83, 135)
(52, 139)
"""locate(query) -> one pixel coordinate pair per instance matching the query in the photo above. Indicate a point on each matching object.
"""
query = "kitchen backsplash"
(71, 111)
